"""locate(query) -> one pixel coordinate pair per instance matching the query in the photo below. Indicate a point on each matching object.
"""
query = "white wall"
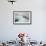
(9, 31)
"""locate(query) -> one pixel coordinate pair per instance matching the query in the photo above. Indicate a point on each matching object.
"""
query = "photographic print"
(22, 17)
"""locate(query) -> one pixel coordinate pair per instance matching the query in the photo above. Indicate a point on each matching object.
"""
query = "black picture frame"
(26, 23)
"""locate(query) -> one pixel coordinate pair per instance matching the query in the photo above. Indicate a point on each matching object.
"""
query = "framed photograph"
(22, 17)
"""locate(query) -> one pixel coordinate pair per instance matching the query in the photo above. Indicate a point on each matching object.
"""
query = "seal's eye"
(16, 20)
